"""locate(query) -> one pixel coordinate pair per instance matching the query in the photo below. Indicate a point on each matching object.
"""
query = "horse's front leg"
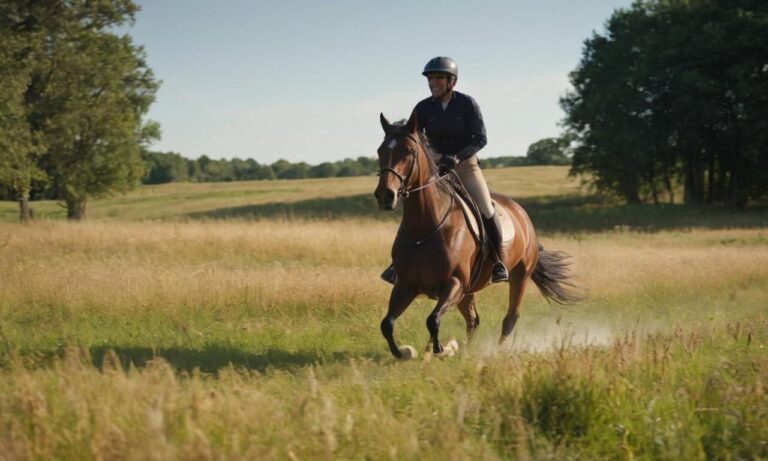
(451, 294)
(399, 300)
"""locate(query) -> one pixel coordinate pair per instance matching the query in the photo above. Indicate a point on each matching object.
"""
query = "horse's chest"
(424, 269)
(423, 256)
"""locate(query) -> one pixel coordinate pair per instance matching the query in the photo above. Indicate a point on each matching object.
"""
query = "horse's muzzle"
(386, 198)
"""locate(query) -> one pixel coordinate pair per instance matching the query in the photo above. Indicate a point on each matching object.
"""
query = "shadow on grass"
(593, 214)
(208, 359)
(213, 358)
(362, 205)
(562, 213)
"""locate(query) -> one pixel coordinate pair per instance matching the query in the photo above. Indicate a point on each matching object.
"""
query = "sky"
(306, 80)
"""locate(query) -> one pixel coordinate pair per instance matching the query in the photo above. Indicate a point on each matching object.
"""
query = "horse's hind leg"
(517, 279)
(449, 297)
(399, 300)
(469, 311)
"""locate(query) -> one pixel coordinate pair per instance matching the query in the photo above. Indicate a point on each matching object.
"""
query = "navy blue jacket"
(458, 130)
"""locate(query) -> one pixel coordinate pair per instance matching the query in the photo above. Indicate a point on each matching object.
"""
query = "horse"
(434, 252)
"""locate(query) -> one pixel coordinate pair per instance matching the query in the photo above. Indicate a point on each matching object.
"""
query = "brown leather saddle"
(474, 224)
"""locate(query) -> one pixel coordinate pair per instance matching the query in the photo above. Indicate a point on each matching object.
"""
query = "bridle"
(404, 191)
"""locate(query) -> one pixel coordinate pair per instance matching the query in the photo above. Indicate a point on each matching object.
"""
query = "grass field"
(241, 321)
(319, 198)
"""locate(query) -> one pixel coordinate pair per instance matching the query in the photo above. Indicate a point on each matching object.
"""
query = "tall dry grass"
(333, 266)
(259, 340)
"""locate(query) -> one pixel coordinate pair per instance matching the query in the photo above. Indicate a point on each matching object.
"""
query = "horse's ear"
(385, 124)
(413, 123)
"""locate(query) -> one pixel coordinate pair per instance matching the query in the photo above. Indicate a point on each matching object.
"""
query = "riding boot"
(493, 230)
(389, 274)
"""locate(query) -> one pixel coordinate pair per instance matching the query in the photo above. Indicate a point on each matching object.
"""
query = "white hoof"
(450, 349)
(408, 353)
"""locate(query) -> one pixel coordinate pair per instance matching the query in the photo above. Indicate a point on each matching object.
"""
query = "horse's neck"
(424, 210)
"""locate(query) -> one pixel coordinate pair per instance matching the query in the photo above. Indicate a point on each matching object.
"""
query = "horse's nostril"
(390, 195)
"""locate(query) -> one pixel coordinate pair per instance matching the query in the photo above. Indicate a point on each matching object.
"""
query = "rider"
(455, 130)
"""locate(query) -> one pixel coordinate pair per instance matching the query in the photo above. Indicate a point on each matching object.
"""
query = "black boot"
(493, 230)
(389, 274)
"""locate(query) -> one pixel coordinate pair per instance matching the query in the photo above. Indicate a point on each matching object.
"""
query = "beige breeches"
(474, 181)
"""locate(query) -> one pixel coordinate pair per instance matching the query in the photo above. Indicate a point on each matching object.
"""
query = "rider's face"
(439, 84)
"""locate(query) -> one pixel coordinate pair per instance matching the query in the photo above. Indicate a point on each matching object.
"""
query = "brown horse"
(434, 252)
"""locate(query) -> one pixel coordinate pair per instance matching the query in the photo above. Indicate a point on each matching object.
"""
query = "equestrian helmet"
(443, 65)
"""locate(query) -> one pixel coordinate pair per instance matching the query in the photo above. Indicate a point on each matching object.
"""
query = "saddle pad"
(507, 224)
(505, 219)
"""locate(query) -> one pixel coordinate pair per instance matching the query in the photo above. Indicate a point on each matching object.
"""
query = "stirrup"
(389, 274)
(499, 273)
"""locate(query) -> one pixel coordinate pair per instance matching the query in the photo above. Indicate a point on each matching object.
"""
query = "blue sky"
(306, 80)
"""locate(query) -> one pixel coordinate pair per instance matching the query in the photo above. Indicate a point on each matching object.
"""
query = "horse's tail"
(553, 276)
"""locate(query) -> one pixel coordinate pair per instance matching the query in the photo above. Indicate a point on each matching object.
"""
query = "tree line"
(675, 93)
(167, 167)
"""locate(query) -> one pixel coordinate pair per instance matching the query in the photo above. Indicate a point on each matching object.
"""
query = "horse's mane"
(400, 126)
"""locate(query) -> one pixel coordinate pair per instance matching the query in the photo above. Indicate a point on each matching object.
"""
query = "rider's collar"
(453, 96)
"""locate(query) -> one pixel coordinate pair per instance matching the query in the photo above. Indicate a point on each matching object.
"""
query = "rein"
(404, 191)
(437, 229)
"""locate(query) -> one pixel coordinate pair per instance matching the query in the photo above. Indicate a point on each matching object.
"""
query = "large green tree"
(676, 90)
(87, 92)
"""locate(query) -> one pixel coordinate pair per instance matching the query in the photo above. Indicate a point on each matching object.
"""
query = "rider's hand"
(446, 164)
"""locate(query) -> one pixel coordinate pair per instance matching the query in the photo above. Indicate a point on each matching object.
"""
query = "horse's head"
(397, 161)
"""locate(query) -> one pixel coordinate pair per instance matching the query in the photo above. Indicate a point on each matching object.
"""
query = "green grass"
(158, 331)
(265, 199)
(683, 395)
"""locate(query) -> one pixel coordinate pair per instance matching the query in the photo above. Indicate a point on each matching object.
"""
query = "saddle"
(472, 216)
(474, 224)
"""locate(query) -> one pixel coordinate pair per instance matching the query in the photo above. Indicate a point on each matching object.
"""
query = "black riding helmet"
(443, 65)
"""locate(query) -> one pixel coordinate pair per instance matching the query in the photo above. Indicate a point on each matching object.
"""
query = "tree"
(165, 167)
(295, 171)
(607, 113)
(675, 90)
(265, 172)
(87, 93)
(349, 167)
(280, 167)
(324, 170)
(548, 151)
(20, 147)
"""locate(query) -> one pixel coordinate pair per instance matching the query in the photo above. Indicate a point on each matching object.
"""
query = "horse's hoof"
(450, 349)
(408, 353)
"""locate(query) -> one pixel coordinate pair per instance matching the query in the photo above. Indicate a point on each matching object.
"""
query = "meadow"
(241, 321)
